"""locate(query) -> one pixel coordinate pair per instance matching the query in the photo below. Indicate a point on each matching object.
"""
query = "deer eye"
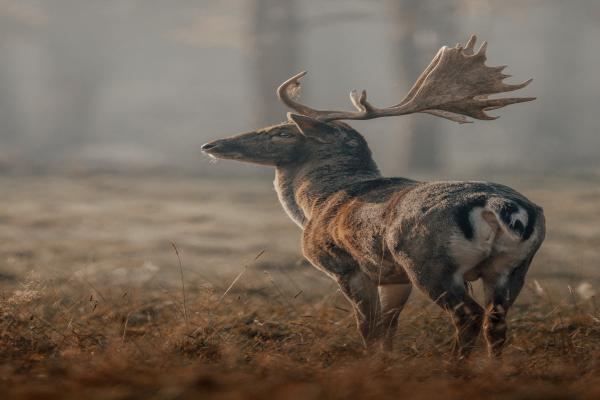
(284, 134)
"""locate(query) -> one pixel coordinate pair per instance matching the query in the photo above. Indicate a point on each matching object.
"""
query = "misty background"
(140, 85)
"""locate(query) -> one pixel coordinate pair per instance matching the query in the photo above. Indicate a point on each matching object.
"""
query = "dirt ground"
(92, 304)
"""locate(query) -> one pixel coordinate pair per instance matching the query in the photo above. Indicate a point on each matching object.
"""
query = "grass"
(59, 339)
(97, 303)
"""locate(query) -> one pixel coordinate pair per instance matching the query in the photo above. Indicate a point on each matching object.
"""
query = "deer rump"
(473, 227)
(494, 237)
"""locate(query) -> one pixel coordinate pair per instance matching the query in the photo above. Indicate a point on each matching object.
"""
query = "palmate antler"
(455, 85)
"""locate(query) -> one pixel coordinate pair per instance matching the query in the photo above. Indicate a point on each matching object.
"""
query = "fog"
(140, 85)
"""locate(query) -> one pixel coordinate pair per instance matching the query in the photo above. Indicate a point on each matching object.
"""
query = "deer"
(376, 236)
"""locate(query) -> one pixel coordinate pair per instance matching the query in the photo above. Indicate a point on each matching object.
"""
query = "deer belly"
(386, 272)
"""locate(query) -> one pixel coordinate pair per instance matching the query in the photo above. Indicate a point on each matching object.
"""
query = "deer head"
(301, 138)
(455, 86)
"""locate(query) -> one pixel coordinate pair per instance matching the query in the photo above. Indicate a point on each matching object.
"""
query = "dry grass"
(91, 303)
(58, 340)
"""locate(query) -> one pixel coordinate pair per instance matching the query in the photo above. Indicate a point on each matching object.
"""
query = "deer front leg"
(392, 299)
(363, 294)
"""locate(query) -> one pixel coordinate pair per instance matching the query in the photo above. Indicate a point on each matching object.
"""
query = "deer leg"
(441, 286)
(362, 293)
(392, 299)
(467, 317)
(501, 291)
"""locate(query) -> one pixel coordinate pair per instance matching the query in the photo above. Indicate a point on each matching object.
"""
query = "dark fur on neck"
(309, 181)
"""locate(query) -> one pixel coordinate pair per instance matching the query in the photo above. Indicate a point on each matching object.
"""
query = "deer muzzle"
(222, 148)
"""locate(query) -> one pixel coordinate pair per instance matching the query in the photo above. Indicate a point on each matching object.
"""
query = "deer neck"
(303, 187)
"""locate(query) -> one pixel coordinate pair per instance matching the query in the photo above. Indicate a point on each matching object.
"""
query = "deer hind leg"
(362, 293)
(441, 286)
(467, 317)
(392, 299)
(501, 291)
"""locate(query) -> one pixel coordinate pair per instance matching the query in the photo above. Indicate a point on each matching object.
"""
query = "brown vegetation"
(91, 302)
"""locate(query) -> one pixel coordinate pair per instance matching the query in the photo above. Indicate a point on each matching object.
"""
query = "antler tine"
(470, 45)
(289, 89)
(360, 102)
(482, 50)
(358, 99)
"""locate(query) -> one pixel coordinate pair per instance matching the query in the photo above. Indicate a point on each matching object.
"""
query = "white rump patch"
(491, 237)
(468, 253)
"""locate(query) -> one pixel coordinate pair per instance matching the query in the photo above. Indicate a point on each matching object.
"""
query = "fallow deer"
(377, 237)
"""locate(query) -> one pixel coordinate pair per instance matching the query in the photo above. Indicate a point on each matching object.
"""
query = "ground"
(95, 304)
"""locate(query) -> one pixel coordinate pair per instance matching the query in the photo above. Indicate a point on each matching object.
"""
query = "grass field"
(92, 304)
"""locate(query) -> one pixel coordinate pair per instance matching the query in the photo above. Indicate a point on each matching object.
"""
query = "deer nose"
(208, 146)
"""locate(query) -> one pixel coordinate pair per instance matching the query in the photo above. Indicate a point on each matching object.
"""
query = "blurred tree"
(9, 121)
(76, 47)
(554, 140)
(422, 26)
(274, 49)
(18, 23)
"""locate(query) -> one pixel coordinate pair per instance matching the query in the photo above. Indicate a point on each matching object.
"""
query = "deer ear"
(313, 128)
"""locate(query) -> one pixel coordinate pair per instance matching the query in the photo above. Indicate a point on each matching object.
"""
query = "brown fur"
(379, 236)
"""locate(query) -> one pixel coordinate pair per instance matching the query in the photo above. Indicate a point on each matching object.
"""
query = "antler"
(455, 85)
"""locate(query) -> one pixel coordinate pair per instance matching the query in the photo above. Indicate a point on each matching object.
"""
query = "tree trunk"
(9, 121)
(274, 27)
(422, 27)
